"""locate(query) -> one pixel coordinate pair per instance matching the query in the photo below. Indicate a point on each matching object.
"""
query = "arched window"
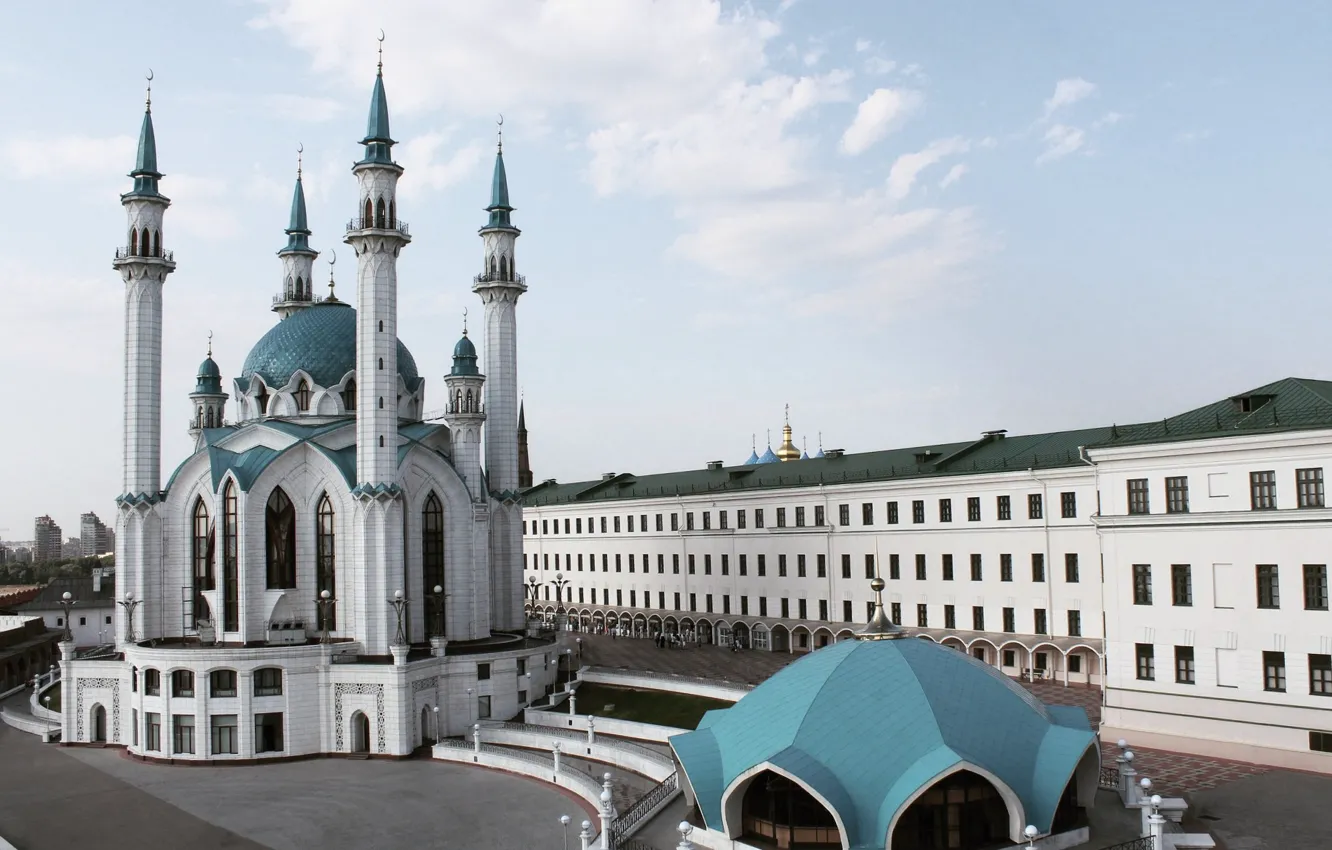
(381, 402)
(970, 805)
(504, 268)
(325, 561)
(349, 395)
(302, 396)
(201, 552)
(369, 214)
(291, 291)
(157, 243)
(381, 325)
(381, 364)
(457, 404)
(145, 244)
(134, 242)
(261, 400)
(774, 807)
(198, 417)
(432, 558)
(494, 267)
(393, 213)
(230, 568)
(209, 418)
(468, 408)
(381, 217)
(381, 441)
(280, 540)
(300, 287)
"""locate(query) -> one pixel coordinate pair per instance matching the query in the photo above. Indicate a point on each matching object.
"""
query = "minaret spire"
(297, 255)
(145, 171)
(378, 143)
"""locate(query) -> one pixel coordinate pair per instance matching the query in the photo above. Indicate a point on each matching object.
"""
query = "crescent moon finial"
(148, 102)
(381, 51)
(500, 132)
(332, 258)
(300, 151)
(210, 343)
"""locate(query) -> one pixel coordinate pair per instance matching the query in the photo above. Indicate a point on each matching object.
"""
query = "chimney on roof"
(714, 464)
(606, 476)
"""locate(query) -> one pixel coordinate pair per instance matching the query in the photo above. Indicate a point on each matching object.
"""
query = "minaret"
(144, 266)
(524, 465)
(466, 415)
(297, 256)
(208, 400)
(377, 236)
(499, 287)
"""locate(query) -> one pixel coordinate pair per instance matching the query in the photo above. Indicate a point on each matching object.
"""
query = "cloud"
(1189, 137)
(1060, 141)
(421, 156)
(296, 107)
(1068, 92)
(862, 44)
(66, 157)
(1109, 119)
(877, 66)
(876, 116)
(954, 174)
(902, 176)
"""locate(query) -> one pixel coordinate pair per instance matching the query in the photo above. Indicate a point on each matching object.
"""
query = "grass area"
(661, 707)
(54, 693)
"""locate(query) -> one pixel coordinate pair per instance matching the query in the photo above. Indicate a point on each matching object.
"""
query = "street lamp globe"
(439, 589)
(129, 596)
(397, 594)
(324, 594)
(66, 596)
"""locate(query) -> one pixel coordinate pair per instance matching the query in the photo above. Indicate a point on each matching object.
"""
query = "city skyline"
(807, 210)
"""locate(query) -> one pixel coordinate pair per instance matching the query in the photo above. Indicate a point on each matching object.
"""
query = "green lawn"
(54, 693)
(661, 707)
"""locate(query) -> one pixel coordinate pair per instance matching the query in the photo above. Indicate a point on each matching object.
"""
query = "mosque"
(328, 571)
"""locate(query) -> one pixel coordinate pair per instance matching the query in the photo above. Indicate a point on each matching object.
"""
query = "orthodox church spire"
(145, 171)
(377, 140)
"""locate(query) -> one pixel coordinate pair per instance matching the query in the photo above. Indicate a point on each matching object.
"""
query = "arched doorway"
(427, 732)
(704, 631)
(781, 639)
(962, 811)
(777, 812)
(360, 733)
(99, 724)
(740, 635)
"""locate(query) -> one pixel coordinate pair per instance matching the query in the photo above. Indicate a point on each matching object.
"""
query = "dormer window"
(1250, 403)
(302, 396)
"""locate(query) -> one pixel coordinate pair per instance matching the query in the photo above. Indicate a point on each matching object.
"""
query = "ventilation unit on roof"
(548, 481)
(606, 476)
(1251, 402)
(995, 434)
(714, 464)
(926, 456)
(834, 453)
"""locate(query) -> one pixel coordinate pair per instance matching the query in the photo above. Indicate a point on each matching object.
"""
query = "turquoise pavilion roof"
(209, 378)
(865, 724)
(298, 228)
(320, 339)
(464, 357)
(145, 171)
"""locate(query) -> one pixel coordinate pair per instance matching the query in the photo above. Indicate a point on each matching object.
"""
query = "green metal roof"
(320, 339)
(145, 171)
(499, 208)
(209, 378)
(867, 723)
(377, 140)
(1285, 405)
(298, 228)
(464, 357)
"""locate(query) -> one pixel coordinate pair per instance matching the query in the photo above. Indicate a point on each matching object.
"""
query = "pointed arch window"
(469, 408)
(494, 267)
(458, 402)
(300, 287)
(393, 213)
(134, 242)
(432, 558)
(201, 552)
(381, 215)
(504, 268)
(381, 364)
(325, 559)
(261, 400)
(280, 540)
(145, 244)
(369, 214)
(303, 396)
(157, 243)
(349, 395)
(230, 566)
(209, 418)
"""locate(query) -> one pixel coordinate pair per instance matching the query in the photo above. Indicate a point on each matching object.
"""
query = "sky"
(910, 221)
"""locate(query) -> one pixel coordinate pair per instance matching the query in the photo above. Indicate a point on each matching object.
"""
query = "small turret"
(208, 400)
(466, 413)
(297, 255)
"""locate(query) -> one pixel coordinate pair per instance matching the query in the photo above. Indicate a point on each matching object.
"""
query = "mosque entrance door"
(360, 733)
(99, 724)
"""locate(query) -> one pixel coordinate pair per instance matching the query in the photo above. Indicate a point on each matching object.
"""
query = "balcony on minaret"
(133, 253)
(501, 277)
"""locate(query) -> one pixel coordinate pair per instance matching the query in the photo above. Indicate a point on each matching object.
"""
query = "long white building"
(1181, 564)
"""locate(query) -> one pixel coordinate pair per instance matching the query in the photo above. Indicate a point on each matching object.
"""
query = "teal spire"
(499, 208)
(377, 140)
(298, 230)
(145, 171)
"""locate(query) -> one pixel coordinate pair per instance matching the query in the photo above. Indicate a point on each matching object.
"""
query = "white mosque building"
(327, 572)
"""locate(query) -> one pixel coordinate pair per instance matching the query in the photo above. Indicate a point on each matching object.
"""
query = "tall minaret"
(499, 286)
(144, 265)
(466, 415)
(297, 256)
(377, 236)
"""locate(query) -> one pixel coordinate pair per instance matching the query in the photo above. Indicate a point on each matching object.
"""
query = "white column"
(476, 738)
(591, 732)
(606, 811)
(555, 749)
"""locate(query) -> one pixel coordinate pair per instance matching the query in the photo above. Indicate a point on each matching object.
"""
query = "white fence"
(602, 725)
(711, 688)
(526, 764)
(622, 754)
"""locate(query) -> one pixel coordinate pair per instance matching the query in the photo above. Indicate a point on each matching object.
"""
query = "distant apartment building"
(46, 540)
(94, 537)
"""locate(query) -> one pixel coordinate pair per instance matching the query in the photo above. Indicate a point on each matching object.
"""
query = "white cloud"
(878, 66)
(67, 157)
(1068, 92)
(862, 44)
(1189, 137)
(203, 206)
(1060, 141)
(876, 116)
(1109, 119)
(954, 174)
(300, 108)
(421, 156)
(902, 176)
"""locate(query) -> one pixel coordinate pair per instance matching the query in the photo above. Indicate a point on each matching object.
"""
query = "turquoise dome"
(866, 724)
(210, 378)
(321, 339)
(464, 348)
(464, 357)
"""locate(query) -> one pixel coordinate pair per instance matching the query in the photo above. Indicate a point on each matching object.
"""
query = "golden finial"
(148, 102)
(380, 67)
(300, 150)
(787, 415)
(499, 132)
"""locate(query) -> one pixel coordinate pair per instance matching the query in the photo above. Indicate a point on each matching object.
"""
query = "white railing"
(526, 764)
(622, 754)
(603, 725)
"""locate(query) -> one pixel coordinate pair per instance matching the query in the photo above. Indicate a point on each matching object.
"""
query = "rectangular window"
(152, 683)
(945, 510)
(976, 571)
(1005, 567)
(482, 672)
(1034, 507)
(744, 565)
(707, 603)
(689, 521)
(693, 602)
(1320, 675)
(800, 566)
(1142, 584)
(758, 517)
(268, 733)
(659, 526)
(896, 609)
(823, 610)
(617, 562)
(617, 525)
(182, 684)
(762, 565)
(978, 617)
(1269, 589)
(1274, 671)
(675, 564)
(182, 733)
(763, 606)
(726, 603)
(973, 508)
(848, 614)
(1042, 627)
(947, 567)
(152, 729)
(922, 615)
(134, 727)
(894, 567)
(1068, 504)
(802, 610)
(1262, 490)
(869, 566)
(1309, 487)
(222, 731)
(1315, 587)
(843, 514)
(580, 562)
(661, 598)
(744, 606)
(918, 511)
(781, 566)
(631, 562)
(268, 682)
(892, 513)
(739, 519)
(676, 601)
(545, 526)
(781, 517)
(726, 564)
(661, 564)
(222, 683)
(1075, 624)
(566, 526)
(822, 565)
(605, 564)
(800, 517)
(1177, 495)
(846, 566)
(631, 523)
(1010, 620)
(1038, 566)
(691, 564)
(603, 525)
(818, 515)
(707, 564)
(867, 513)
(722, 522)
(675, 522)
(1138, 502)
(950, 617)
(1004, 507)
(1146, 659)
(1181, 585)
(1071, 567)
(1184, 669)
(920, 568)
(1320, 742)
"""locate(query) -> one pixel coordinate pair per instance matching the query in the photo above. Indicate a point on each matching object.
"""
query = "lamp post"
(47, 701)
(1031, 832)
(469, 706)
(67, 602)
(436, 710)
(579, 642)
(437, 598)
(533, 590)
(399, 603)
(685, 828)
(325, 601)
(129, 603)
(564, 822)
